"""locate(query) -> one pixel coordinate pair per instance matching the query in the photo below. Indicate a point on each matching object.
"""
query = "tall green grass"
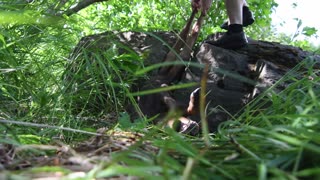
(276, 137)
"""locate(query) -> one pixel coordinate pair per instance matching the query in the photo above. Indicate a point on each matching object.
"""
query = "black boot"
(247, 18)
(235, 38)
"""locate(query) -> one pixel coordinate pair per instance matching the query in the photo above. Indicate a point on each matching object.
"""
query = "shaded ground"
(73, 160)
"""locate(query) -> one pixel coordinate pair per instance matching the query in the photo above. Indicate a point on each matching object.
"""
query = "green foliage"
(138, 15)
(262, 12)
(309, 31)
(300, 38)
(28, 17)
(278, 141)
(98, 77)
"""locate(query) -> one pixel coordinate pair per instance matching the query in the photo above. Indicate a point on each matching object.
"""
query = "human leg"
(247, 17)
(234, 11)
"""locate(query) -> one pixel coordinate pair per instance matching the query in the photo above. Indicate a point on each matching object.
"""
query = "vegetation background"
(36, 39)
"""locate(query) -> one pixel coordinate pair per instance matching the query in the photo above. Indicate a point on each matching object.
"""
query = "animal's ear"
(194, 102)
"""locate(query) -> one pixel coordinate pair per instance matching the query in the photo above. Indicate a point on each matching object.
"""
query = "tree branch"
(81, 5)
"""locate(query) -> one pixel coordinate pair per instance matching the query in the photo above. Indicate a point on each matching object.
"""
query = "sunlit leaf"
(309, 31)
(28, 17)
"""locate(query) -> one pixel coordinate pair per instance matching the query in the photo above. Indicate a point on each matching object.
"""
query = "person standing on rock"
(239, 16)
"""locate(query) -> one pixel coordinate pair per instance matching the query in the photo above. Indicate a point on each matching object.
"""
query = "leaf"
(294, 5)
(166, 88)
(309, 172)
(299, 22)
(309, 31)
(124, 121)
(139, 171)
(2, 39)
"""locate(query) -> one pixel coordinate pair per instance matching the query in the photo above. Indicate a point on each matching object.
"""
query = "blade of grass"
(162, 89)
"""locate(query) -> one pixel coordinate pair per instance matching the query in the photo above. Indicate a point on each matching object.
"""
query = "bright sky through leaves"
(286, 14)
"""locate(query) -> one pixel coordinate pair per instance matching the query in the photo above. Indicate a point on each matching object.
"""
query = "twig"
(81, 5)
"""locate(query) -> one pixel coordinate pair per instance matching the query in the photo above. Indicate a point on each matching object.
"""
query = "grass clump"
(278, 141)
